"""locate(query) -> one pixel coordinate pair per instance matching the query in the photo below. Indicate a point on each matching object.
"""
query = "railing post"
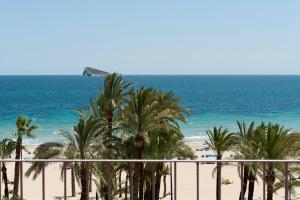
(264, 181)
(65, 180)
(131, 180)
(43, 181)
(21, 179)
(175, 180)
(171, 180)
(109, 170)
(153, 181)
(197, 176)
(87, 175)
(242, 181)
(286, 180)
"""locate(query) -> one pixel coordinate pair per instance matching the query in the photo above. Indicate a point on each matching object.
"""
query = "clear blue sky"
(150, 37)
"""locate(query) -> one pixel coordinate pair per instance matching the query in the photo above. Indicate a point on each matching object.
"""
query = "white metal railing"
(173, 174)
(148, 161)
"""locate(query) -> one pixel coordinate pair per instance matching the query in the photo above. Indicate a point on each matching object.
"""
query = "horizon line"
(156, 75)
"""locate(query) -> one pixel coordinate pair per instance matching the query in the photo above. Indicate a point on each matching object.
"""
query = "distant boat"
(89, 71)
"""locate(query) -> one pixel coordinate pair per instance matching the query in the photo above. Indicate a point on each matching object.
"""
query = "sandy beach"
(186, 180)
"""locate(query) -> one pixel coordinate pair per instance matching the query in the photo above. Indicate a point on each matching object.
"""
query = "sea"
(51, 101)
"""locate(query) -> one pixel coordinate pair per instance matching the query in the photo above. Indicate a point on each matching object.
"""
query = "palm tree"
(7, 146)
(82, 142)
(24, 128)
(107, 110)
(165, 134)
(140, 117)
(274, 142)
(79, 145)
(220, 141)
(246, 151)
(110, 101)
(150, 118)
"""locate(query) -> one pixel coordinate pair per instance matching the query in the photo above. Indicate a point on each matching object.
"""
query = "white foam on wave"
(32, 142)
(195, 138)
(55, 132)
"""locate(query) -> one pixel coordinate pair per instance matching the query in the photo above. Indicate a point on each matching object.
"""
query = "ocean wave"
(32, 142)
(55, 132)
(195, 138)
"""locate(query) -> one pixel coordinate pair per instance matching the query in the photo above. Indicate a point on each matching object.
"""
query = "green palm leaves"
(25, 127)
(220, 140)
(82, 139)
(7, 147)
(111, 100)
(79, 145)
(274, 141)
(140, 115)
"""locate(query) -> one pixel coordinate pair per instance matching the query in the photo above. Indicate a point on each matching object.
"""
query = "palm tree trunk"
(120, 184)
(17, 167)
(4, 175)
(141, 185)
(270, 180)
(269, 193)
(251, 189)
(83, 177)
(110, 170)
(126, 187)
(105, 186)
(104, 190)
(157, 185)
(136, 174)
(73, 182)
(90, 183)
(245, 181)
(165, 186)
(147, 194)
(218, 182)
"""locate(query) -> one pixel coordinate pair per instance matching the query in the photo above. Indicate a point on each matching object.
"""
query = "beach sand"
(186, 181)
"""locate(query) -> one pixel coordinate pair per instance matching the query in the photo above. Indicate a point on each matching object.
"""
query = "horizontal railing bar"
(147, 161)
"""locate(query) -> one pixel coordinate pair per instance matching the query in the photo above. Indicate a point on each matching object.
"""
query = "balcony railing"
(173, 179)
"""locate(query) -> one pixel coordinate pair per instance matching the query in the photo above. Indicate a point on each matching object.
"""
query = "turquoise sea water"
(51, 101)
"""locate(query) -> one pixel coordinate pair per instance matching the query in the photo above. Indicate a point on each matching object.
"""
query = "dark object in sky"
(88, 71)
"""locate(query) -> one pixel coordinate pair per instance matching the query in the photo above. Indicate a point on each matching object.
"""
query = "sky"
(150, 37)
